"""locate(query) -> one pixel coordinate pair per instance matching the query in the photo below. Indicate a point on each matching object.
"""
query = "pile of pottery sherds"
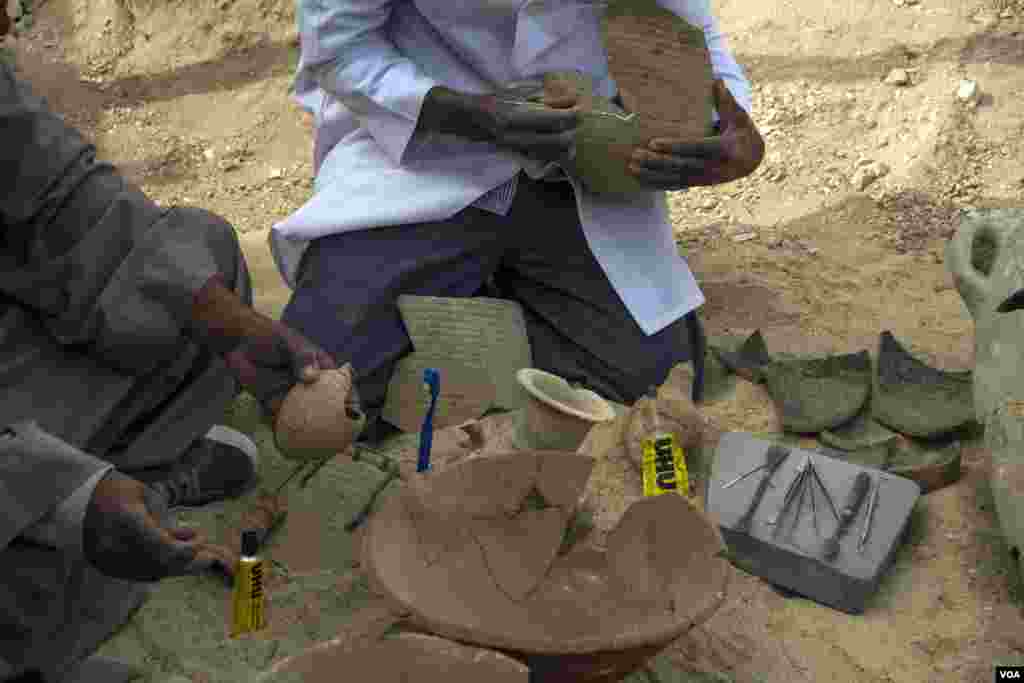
(896, 413)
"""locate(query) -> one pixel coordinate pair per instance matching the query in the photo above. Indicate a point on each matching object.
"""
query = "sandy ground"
(838, 236)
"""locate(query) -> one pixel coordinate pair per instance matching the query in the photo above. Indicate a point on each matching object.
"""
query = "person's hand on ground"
(126, 535)
(671, 164)
(270, 361)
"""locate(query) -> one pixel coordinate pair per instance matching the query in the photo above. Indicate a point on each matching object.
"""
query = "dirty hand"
(546, 133)
(126, 535)
(672, 164)
(270, 361)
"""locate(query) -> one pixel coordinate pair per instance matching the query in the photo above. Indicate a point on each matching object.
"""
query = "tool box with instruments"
(818, 526)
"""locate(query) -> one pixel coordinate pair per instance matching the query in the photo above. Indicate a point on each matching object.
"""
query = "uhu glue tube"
(248, 614)
(664, 463)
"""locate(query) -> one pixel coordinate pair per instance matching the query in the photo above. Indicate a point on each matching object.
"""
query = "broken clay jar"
(557, 416)
(319, 420)
(986, 258)
(475, 553)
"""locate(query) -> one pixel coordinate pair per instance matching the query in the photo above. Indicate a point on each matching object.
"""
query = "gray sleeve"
(111, 272)
(61, 528)
(38, 472)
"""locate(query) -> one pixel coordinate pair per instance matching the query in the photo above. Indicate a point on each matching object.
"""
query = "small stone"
(275, 173)
(967, 91)
(898, 77)
(709, 203)
(1007, 13)
(744, 237)
(210, 155)
(864, 176)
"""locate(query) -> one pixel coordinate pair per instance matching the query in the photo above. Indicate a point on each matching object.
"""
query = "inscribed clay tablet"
(466, 394)
(483, 333)
(663, 63)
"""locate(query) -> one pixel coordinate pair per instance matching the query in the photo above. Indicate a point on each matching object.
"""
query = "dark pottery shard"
(820, 393)
(859, 433)
(932, 466)
(870, 456)
(749, 360)
(916, 399)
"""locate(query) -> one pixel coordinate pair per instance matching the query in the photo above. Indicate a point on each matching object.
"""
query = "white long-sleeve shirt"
(365, 69)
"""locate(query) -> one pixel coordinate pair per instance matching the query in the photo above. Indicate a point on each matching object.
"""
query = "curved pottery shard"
(520, 551)
(657, 552)
(859, 433)
(749, 360)
(932, 467)
(820, 393)
(563, 478)
(406, 657)
(916, 399)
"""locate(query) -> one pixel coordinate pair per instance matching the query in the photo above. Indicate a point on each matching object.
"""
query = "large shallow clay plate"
(589, 600)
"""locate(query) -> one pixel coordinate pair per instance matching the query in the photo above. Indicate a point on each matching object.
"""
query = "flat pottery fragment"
(859, 433)
(519, 551)
(436, 533)
(398, 659)
(563, 477)
(819, 393)
(749, 360)
(916, 399)
(480, 487)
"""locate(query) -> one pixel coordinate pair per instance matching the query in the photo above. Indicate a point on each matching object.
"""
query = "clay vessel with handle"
(986, 258)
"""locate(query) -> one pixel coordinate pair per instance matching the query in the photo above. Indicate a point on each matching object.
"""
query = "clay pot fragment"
(916, 399)
(748, 360)
(557, 416)
(317, 420)
(398, 659)
(819, 393)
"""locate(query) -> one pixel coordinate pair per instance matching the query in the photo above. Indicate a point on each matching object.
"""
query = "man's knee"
(223, 240)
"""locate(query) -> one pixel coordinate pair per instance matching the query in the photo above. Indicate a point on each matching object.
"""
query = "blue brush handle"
(432, 378)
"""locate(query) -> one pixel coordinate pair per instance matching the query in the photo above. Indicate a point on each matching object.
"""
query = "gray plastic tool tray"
(795, 562)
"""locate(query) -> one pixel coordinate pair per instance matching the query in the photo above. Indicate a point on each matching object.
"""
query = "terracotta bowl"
(473, 553)
(405, 657)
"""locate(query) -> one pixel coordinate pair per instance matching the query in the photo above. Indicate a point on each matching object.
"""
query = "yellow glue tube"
(248, 605)
(664, 466)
